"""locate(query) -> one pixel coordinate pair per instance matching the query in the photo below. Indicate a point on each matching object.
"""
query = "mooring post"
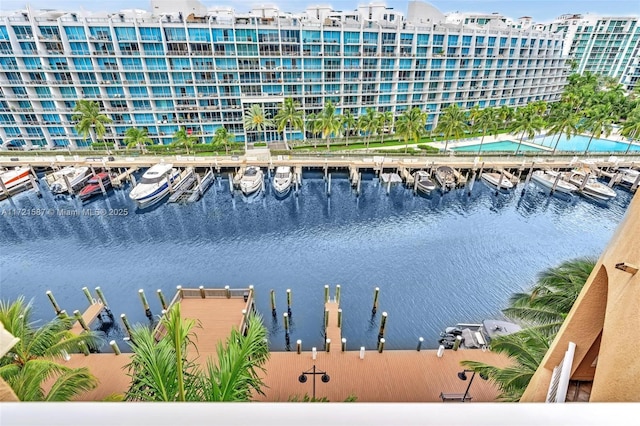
(420, 340)
(635, 183)
(115, 347)
(344, 344)
(63, 314)
(299, 346)
(34, 183)
(53, 302)
(359, 181)
(286, 322)
(327, 345)
(415, 184)
(163, 302)
(126, 324)
(383, 323)
(338, 294)
(585, 178)
(326, 319)
(87, 294)
(202, 294)
(314, 352)
(326, 293)
(289, 301)
(456, 343)
(66, 181)
(555, 183)
(329, 186)
(381, 345)
(389, 184)
(145, 304)
(4, 189)
(500, 180)
(375, 300)
(440, 351)
(339, 318)
(83, 347)
(526, 181)
(102, 298)
(273, 303)
(361, 352)
(81, 320)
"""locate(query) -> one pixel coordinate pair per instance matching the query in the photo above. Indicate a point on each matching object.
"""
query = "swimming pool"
(579, 143)
(496, 146)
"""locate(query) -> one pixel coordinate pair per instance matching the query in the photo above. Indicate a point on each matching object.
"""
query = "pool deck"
(390, 376)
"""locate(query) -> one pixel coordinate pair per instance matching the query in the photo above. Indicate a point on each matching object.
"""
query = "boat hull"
(547, 183)
(14, 178)
(149, 199)
(492, 181)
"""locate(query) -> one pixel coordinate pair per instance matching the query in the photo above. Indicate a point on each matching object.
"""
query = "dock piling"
(344, 344)
(83, 347)
(555, 183)
(202, 294)
(383, 323)
(340, 318)
(289, 301)
(381, 345)
(359, 183)
(34, 183)
(145, 304)
(231, 183)
(440, 351)
(81, 320)
(102, 298)
(329, 186)
(327, 345)
(314, 353)
(456, 343)
(63, 314)
(635, 183)
(420, 340)
(389, 185)
(87, 294)
(115, 347)
(326, 293)
(299, 346)
(375, 300)
(361, 352)
(326, 319)
(126, 324)
(286, 323)
(338, 294)
(273, 303)
(5, 191)
(53, 302)
(163, 302)
(66, 181)
(227, 291)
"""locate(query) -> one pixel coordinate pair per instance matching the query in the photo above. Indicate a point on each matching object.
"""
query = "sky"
(540, 10)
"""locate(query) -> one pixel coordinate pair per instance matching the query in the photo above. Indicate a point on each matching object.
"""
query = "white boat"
(154, 185)
(251, 180)
(547, 179)
(13, 178)
(282, 180)
(446, 177)
(628, 176)
(423, 182)
(492, 179)
(591, 188)
(73, 176)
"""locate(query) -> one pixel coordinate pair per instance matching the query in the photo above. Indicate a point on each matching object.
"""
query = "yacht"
(591, 187)
(476, 336)
(73, 176)
(446, 177)
(13, 178)
(424, 183)
(251, 180)
(282, 180)
(547, 179)
(93, 186)
(492, 179)
(154, 185)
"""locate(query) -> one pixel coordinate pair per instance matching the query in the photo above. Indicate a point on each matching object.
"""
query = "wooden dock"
(88, 316)
(117, 181)
(333, 332)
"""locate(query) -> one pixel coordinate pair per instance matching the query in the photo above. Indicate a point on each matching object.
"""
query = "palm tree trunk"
(631, 138)
(284, 138)
(328, 149)
(519, 143)
(588, 144)
(481, 141)
(557, 142)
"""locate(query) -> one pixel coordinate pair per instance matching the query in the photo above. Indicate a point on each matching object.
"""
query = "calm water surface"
(439, 260)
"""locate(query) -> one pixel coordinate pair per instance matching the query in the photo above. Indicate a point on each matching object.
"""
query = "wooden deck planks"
(88, 316)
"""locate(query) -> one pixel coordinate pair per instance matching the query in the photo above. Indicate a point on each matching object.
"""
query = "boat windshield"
(282, 175)
(148, 180)
(251, 172)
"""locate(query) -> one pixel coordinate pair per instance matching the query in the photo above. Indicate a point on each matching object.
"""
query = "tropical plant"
(526, 122)
(598, 121)
(631, 127)
(487, 123)
(563, 120)
(349, 123)
(411, 125)
(290, 115)
(384, 118)
(182, 139)
(452, 124)
(162, 370)
(90, 122)
(255, 120)
(223, 137)
(505, 114)
(368, 123)
(327, 122)
(137, 138)
(33, 360)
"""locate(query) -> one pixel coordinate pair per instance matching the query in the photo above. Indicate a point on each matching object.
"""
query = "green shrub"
(260, 144)
(428, 148)
(102, 145)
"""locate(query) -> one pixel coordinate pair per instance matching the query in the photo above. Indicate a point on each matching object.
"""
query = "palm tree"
(545, 306)
(599, 120)
(526, 122)
(505, 114)
(256, 120)
(452, 124)
(290, 114)
(182, 138)
(525, 349)
(137, 138)
(163, 371)
(631, 127)
(33, 360)
(349, 123)
(384, 118)
(223, 137)
(487, 123)
(563, 121)
(90, 121)
(368, 123)
(327, 122)
(411, 125)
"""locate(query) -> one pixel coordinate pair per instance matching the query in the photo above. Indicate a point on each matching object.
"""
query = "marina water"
(440, 260)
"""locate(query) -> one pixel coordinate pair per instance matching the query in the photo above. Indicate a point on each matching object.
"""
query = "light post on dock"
(463, 376)
(313, 372)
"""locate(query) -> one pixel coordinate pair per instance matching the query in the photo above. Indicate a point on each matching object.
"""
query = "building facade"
(602, 45)
(197, 68)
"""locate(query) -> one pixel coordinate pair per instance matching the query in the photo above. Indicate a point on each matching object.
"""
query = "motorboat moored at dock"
(496, 181)
(74, 177)
(476, 336)
(590, 187)
(446, 177)
(423, 182)
(12, 179)
(93, 187)
(282, 180)
(251, 180)
(553, 181)
(154, 185)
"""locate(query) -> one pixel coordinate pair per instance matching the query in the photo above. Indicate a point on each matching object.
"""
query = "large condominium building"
(602, 45)
(183, 65)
